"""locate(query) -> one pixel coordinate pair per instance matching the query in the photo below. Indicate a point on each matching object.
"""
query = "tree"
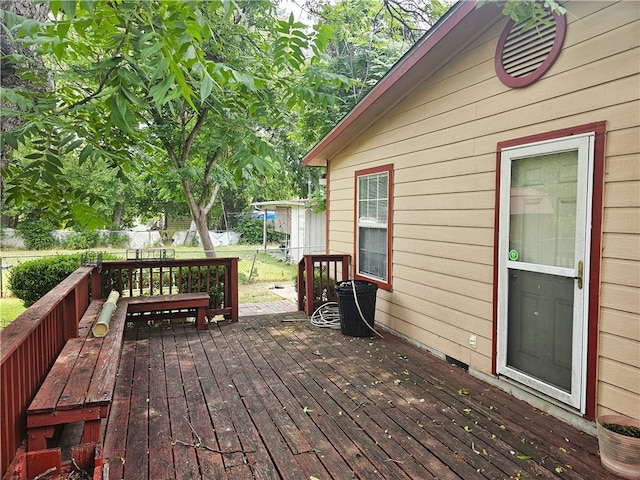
(527, 12)
(200, 87)
(10, 78)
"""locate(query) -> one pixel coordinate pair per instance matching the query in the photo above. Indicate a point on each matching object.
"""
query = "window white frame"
(373, 214)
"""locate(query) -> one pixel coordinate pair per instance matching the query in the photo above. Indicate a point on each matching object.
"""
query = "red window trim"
(369, 171)
(519, 82)
(593, 311)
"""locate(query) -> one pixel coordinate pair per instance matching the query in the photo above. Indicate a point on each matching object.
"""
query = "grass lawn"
(10, 308)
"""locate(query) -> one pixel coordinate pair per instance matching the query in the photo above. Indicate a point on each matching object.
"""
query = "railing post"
(301, 283)
(234, 289)
(345, 267)
(309, 285)
(96, 289)
(70, 318)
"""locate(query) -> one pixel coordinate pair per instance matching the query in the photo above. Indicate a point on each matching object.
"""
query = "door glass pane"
(543, 209)
(540, 326)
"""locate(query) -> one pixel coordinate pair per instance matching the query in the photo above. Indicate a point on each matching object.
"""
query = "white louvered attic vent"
(523, 56)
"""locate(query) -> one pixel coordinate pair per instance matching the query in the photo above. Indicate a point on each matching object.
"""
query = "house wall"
(442, 142)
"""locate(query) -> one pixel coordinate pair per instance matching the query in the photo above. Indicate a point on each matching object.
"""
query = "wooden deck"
(275, 399)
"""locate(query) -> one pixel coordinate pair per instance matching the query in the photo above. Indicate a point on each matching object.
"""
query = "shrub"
(31, 280)
(116, 239)
(37, 234)
(81, 240)
(252, 231)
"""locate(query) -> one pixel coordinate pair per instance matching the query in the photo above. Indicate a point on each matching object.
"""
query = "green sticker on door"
(513, 255)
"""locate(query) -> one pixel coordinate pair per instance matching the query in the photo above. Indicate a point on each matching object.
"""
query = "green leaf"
(524, 457)
(63, 28)
(160, 69)
(85, 153)
(73, 146)
(159, 92)
(69, 7)
(10, 139)
(89, 5)
(53, 160)
(121, 103)
(206, 86)
(150, 51)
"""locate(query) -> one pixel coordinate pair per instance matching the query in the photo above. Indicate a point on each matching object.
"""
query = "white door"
(545, 220)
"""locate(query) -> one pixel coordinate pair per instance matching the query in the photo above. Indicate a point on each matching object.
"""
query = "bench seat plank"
(152, 305)
(104, 377)
(89, 317)
(46, 399)
(75, 392)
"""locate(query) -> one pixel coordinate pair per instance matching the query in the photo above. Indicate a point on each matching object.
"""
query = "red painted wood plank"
(446, 445)
(75, 391)
(115, 442)
(168, 302)
(247, 384)
(89, 317)
(364, 454)
(225, 406)
(47, 397)
(136, 466)
(258, 400)
(256, 453)
(294, 377)
(161, 455)
(100, 390)
(194, 373)
(185, 459)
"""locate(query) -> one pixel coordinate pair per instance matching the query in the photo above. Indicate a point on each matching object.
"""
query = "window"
(373, 225)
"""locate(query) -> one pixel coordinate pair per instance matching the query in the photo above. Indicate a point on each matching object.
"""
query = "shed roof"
(300, 202)
(462, 23)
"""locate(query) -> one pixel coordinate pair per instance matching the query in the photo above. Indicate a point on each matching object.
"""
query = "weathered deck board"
(137, 455)
(263, 398)
(161, 462)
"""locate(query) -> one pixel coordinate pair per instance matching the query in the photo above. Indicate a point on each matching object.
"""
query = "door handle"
(580, 273)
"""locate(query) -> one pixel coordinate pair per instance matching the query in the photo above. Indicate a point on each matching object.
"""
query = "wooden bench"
(159, 307)
(79, 386)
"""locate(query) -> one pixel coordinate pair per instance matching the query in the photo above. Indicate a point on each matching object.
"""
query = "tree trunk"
(199, 212)
(203, 229)
(116, 218)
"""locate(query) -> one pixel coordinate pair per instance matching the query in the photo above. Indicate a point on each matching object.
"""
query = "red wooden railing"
(317, 277)
(31, 343)
(28, 348)
(135, 278)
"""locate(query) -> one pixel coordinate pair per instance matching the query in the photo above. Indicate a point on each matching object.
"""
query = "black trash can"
(351, 322)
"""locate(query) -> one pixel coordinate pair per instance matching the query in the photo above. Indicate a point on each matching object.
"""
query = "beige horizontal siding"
(459, 250)
(621, 272)
(624, 246)
(616, 400)
(441, 140)
(620, 324)
(457, 236)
